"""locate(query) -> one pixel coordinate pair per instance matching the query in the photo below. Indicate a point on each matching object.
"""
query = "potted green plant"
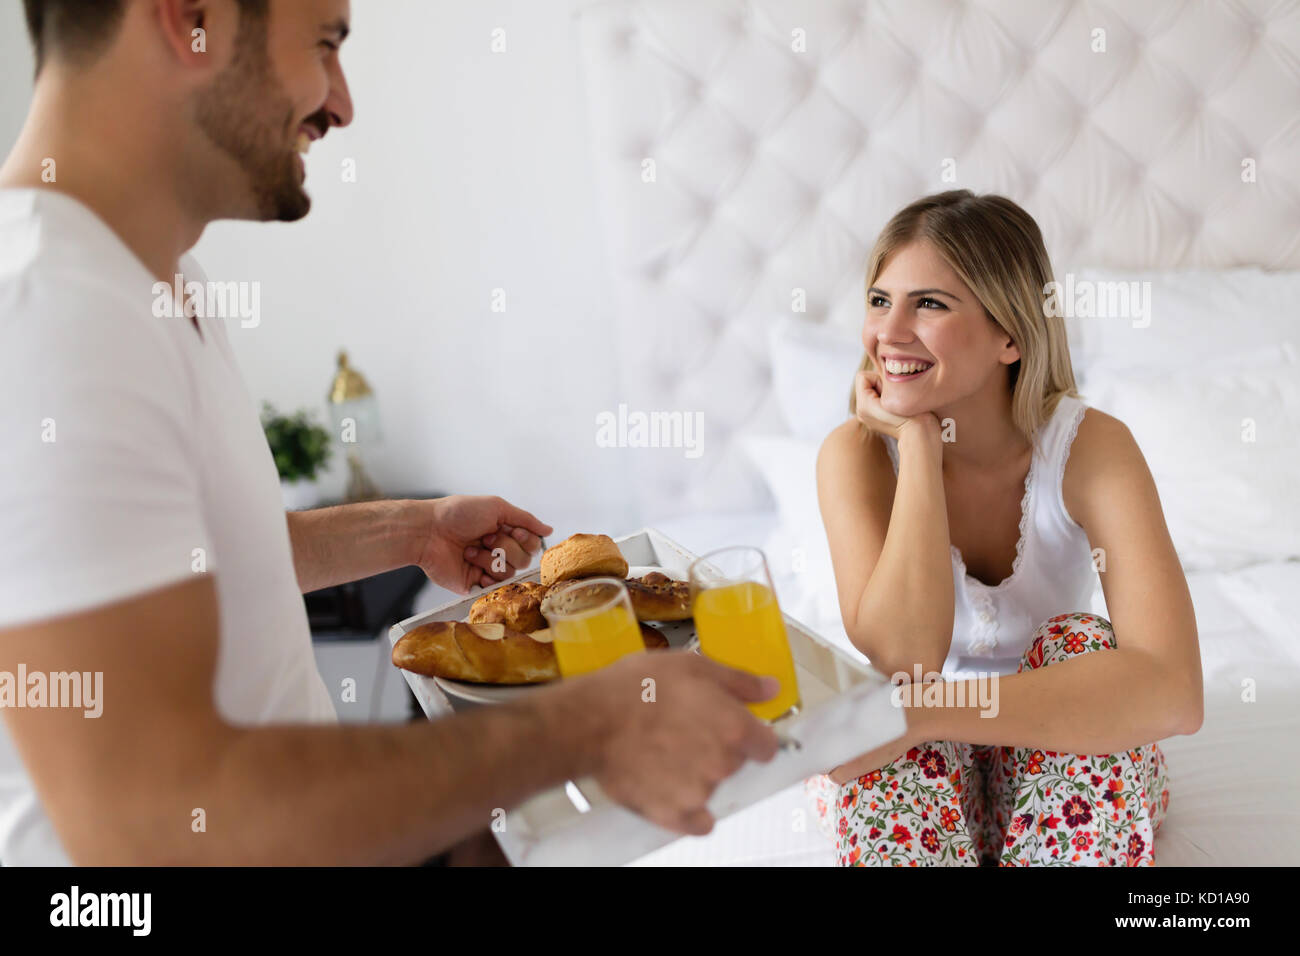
(301, 448)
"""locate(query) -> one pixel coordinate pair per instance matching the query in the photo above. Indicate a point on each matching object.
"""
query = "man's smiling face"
(282, 90)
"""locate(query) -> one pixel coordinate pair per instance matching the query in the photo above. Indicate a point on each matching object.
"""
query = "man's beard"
(236, 114)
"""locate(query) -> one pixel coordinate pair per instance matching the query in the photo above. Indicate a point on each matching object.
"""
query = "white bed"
(1233, 783)
(748, 151)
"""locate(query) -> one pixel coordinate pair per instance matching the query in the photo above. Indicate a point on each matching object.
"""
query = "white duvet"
(1232, 784)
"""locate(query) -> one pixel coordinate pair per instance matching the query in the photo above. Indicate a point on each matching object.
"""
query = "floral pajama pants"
(955, 804)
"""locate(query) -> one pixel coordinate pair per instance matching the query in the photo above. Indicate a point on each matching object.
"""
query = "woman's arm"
(889, 544)
(1149, 687)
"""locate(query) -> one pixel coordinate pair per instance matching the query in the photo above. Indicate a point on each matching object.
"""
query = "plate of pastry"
(503, 647)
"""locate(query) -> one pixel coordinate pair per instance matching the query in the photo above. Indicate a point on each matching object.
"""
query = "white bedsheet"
(1232, 784)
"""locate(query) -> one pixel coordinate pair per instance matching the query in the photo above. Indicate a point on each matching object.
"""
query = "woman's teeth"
(304, 143)
(905, 368)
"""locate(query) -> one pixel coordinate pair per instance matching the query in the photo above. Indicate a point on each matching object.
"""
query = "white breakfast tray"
(846, 711)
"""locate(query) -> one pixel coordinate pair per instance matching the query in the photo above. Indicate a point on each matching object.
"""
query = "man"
(141, 534)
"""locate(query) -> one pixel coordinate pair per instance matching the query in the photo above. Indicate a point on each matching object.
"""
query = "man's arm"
(350, 542)
(126, 787)
(458, 541)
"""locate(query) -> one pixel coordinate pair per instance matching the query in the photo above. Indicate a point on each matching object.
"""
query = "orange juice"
(590, 642)
(740, 625)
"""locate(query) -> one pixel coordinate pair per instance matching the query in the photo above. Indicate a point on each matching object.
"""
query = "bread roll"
(582, 556)
(657, 597)
(517, 605)
(478, 653)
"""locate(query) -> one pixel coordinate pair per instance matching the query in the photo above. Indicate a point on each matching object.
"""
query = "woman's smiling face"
(926, 325)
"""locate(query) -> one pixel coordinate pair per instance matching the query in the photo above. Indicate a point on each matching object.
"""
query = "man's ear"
(199, 33)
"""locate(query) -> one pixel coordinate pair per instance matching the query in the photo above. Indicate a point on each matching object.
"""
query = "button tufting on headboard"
(783, 134)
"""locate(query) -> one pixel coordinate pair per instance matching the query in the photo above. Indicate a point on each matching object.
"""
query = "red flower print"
(1082, 840)
(933, 764)
(1059, 617)
(1036, 762)
(1075, 642)
(873, 834)
(912, 752)
(1048, 822)
(1112, 793)
(868, 780)
(1164, 799)
(948, 817)
(1096, 780)
(853, 839)
(1051, 840)
(844, 825)
(901, 834)
(1035, 656)
(853, 857)
(1135, 847)
(930, 840)
(1076, 810)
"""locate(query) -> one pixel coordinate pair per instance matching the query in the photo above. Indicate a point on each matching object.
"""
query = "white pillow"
(1221, 441)
(798, 552)
(1188, 319)
(812, 373)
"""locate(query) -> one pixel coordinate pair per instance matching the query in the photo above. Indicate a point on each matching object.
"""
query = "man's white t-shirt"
(133, 458)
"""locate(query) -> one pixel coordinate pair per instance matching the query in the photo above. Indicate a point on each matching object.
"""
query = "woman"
(969, 504)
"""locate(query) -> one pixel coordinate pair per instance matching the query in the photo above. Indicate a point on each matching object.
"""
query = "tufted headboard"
(748, 153)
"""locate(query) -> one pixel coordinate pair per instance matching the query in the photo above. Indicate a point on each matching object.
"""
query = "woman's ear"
(1010, 352)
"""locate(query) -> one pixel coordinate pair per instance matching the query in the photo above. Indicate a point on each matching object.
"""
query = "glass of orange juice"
(739, 622)
(592, 624)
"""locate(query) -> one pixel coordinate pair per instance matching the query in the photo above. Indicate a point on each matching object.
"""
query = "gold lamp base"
(360, 487)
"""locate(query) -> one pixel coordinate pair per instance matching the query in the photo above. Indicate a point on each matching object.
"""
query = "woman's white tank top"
(1053, 571)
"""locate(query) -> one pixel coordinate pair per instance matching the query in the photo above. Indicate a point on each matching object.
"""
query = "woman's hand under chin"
(872, 413)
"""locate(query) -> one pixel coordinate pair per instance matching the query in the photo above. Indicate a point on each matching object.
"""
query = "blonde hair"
(997, 250)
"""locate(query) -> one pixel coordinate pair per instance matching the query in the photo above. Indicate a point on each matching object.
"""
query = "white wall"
(473, 173)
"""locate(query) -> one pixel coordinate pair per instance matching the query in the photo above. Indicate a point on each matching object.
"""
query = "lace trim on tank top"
(1065, 459)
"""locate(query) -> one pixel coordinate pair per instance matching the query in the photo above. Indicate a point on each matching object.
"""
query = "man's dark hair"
(81, 29)
(78, 28)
